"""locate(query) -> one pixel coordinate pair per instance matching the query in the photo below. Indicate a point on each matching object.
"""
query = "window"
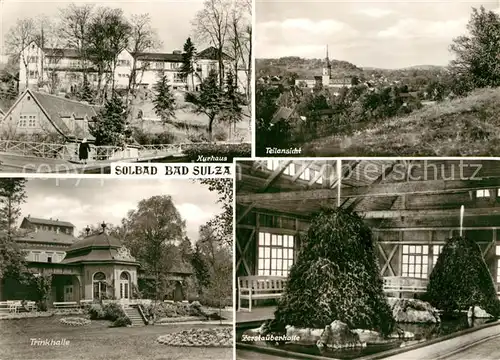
(273, 164)
(436, 251)
(123, 62)
(33, 74)
(178, 77)
(306, 175)
(36, 257)
(415, 259)
(23, 121)
(99, 285)
(49, 259)
(276, 254)
(159, 65)
(483, 193)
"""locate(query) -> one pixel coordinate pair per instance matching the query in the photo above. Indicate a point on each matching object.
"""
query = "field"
(461, 127)
(96, 341)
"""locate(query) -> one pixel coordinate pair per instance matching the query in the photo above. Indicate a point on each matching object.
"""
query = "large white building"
(63, 68)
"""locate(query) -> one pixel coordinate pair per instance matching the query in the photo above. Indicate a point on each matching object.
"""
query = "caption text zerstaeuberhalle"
(191, 170)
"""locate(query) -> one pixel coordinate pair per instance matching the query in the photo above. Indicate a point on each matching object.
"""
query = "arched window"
(99, 285)
(124, 276)
(124, 285)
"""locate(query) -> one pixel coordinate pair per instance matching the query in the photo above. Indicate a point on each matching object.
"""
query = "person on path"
(83, 151)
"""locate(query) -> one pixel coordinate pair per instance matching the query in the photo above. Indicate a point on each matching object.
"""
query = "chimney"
(87, 231)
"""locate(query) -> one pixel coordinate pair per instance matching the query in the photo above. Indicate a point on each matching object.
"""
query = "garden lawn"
(96, 341)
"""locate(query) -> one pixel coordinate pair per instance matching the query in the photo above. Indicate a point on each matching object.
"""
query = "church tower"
(327, 70)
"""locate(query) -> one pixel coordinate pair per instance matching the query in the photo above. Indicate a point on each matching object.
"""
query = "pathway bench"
(65, 304)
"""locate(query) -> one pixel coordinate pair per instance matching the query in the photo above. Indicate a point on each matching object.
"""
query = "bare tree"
(107, 36)
(240, 41)
(143, 38)
(18, 38)
(212, 26)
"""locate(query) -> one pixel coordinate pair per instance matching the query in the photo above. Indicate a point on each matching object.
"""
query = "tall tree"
(477, 55)
(200, 269)
(233, 102)
(212, 26)
(12, 195)
(222, 223)
(17, 40)
(187, 69)
(153, 228)
(107, 36)
(208, 101)
(164, 101)
(110, 125)
(143, 38)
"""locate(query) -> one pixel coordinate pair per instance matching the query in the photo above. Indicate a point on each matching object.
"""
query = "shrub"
(461, 279)
(122, 321)
(113, 311)
(336, 277)
(96, 312)
(228, 151)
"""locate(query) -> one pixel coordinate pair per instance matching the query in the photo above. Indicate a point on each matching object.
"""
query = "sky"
(171, 18)
(91, 201)
(368, 33)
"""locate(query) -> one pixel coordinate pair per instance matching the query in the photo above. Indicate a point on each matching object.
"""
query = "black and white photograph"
(376, 78)
(367, 259)
(84, 84)
(88, 273)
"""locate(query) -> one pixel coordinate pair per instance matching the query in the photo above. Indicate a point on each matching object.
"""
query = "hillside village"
(330, 107)
(62, 86)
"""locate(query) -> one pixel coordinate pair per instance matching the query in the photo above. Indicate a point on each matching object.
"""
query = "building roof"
(100, 247)
(50, 222)
(283, 113)
(66, 53)
(55, 108)
(101, 240)
(210, 53)
(46, 237)
(168, 57)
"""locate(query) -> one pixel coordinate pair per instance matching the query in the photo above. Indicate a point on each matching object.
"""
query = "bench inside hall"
(404, 285)
(259, 287)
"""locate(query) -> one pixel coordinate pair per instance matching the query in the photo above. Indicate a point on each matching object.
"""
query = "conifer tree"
(233, 101)
(164, 101)
(461, 279)
(85, 93)
(336, 277)
(187, 69)
(209, 100)
(110, 126)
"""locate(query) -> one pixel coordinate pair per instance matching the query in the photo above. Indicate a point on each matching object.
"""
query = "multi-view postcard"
(373, 78)
(86, 84)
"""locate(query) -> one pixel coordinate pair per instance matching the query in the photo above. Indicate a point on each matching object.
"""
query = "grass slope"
(461, 127)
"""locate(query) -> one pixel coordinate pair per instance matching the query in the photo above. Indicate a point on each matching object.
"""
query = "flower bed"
(168, 320)
(74, 321)
(33, 314)
(215, 337)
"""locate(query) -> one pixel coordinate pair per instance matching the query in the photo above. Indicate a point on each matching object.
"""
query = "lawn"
(461, 127)
(96, 341)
